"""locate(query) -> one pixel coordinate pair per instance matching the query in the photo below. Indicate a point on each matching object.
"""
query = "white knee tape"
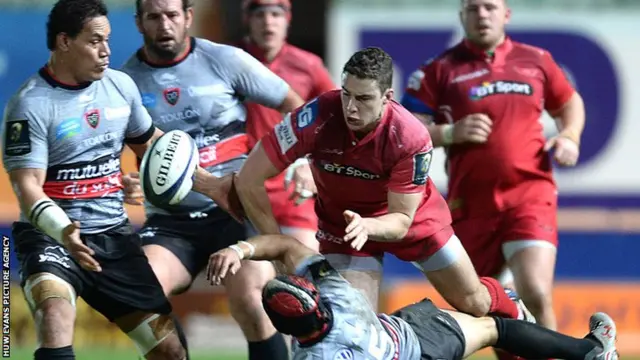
(70, 293)
(144, 336)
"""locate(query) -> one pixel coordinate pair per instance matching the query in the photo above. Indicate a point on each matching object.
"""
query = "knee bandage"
(151, 332)
(47, 286)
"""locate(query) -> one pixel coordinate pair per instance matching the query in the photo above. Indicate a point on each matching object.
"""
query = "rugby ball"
(168, 168)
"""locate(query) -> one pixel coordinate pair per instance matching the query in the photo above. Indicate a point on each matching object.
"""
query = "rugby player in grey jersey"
(64, 131)
(198, 86)
(332, 320)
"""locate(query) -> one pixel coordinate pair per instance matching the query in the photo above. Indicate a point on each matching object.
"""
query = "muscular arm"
(27, 186)
(394, 225)
(252, 193)
(290, 102)
(570, 118)
(282, 248)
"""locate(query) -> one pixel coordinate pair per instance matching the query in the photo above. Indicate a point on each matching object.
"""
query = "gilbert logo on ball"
(168, 167)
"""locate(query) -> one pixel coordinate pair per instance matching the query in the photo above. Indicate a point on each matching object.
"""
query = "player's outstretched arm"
(285, 249)
(252, 193)
(394, 225)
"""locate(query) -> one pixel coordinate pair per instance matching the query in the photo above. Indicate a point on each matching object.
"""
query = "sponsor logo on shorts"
(350, 171)
(68, 128)
(92, 117)
(487, 89)
(171, 95)
(55, 254)
(322, 235)
(17, 140)
(285, 134)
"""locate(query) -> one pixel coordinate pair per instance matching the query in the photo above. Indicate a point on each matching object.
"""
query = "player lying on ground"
(332, 320)
(202, 91)
(371, 157)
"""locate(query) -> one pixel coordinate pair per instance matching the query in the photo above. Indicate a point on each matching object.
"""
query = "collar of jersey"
(498, 54)
(192, 47)
(46, 74)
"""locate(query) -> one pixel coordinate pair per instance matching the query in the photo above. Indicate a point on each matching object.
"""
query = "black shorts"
(125, 285)
(193, 237)
(438, 333)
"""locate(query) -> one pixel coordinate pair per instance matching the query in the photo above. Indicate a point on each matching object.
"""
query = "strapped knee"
(45, 286)
(151, 332)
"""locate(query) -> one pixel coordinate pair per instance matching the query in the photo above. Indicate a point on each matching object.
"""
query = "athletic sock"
(63, 353)
(501, 304)
(181, 335)
(532, 341)
(273, 348)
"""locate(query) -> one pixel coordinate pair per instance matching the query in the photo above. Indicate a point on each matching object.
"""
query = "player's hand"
(226, 197)
(356, 231)
(222, 263)
(78, 250)
(302, 178)
(566, 150)
(474, 128)
(132, 189)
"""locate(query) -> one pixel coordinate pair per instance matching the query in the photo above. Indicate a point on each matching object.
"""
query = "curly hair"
(70, 16)
(371, 63)
(186, 4)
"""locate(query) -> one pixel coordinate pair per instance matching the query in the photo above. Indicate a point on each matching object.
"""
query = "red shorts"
(285, 211)
(417, 250)
(483, 237)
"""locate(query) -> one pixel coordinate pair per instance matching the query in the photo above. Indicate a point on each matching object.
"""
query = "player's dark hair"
(69, 17)
(371, 63)
(186, 4)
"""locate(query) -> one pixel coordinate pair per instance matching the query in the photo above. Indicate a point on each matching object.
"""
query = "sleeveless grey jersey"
(357, 333)
(202, 95)
(76, 134)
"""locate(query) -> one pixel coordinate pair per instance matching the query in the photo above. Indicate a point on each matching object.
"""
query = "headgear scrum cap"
(248, 6)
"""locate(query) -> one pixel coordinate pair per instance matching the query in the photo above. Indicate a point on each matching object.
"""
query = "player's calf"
(52, 303)
(154, 335)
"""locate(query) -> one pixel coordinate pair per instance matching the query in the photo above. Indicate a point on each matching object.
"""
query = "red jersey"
(302, 70)
(512, 87)
(356, 175)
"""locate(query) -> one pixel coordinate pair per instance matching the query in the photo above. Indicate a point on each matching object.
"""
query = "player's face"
(268, 27)
(165, 27)
(484, 20)
(363, 102)
(89, 51)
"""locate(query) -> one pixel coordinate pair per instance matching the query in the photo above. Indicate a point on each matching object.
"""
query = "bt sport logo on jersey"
(500, 87)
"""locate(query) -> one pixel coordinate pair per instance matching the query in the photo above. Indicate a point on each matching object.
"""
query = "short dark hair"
(69, 17)
(186, 4)
(371, 63)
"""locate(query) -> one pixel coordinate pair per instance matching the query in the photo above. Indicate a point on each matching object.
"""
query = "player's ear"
(139, 24)
(507, 16)
(63, 41)
(388, 95)
(189, 17)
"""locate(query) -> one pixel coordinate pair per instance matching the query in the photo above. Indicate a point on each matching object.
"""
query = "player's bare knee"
(537, 299)
(154, 335)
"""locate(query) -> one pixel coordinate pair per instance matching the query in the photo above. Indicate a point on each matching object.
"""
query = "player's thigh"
(439, 335)
(244, 288)
(304, 235)
(362, 269)
(478, 332)
(480, 239)
(154, 335)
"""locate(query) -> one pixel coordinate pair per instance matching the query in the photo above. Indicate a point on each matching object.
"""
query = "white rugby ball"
(168, 167)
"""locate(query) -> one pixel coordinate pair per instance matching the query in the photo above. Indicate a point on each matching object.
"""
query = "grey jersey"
(76, 134)
(202, 95)
(357, 333)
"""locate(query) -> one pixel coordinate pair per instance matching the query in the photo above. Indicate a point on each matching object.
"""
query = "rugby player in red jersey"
(482, 99)
(268, 22)
(370, 160)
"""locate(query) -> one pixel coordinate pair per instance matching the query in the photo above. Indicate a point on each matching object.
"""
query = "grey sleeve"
(25, 135)
(140, 127)
(251, 79)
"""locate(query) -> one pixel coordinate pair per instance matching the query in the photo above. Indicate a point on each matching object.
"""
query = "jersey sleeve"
(293, 137)
(140, 128)
(254, 81)
(410, 173)
(25, 136)
(557, 88)
(421, 94)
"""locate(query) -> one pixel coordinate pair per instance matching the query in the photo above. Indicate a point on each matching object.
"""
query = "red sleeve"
(293, 137)
(411, 172)
(322, 81)
(422, 92)
(557, 89)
